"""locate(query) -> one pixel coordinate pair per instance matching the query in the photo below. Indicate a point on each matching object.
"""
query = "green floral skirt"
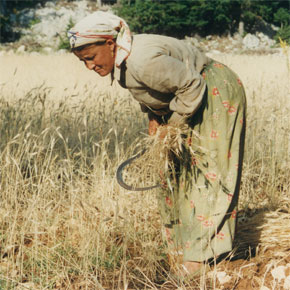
(198, 201)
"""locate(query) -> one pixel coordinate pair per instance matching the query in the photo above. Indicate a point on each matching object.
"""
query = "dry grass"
(64, 221)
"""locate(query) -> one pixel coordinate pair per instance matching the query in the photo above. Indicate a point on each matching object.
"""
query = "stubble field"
(65, 223)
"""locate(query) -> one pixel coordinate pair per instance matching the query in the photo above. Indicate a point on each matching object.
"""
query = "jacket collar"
(116, 74)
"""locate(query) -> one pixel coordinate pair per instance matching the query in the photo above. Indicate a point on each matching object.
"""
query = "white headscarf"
(101, 26)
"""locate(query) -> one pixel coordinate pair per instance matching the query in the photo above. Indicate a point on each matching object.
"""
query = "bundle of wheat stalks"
(157, 157)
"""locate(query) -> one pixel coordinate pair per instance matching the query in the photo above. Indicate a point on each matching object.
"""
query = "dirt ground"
(258, 272)
(263, 272)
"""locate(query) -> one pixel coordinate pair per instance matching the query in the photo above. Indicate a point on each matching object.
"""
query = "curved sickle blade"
(120, 176)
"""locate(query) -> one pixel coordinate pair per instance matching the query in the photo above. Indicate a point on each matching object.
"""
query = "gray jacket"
(163, 75)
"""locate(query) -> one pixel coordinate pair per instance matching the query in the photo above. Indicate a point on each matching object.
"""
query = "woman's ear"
(112, 44)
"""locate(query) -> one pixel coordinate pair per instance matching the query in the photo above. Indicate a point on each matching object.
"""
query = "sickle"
(120, 176)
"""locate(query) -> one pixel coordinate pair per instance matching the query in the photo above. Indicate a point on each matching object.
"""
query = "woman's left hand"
(156, 128)
(163, 130)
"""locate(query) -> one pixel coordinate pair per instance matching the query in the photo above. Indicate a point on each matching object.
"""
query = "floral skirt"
(198, 202)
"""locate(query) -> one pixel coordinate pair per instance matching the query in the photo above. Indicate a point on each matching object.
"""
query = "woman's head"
(101, 40)
(99, 57)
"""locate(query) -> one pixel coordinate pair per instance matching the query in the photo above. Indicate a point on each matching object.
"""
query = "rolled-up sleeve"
(166, 74)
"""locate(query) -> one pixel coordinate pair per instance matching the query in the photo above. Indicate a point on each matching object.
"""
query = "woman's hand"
(164, 130)
(154, 123)
(153, 126)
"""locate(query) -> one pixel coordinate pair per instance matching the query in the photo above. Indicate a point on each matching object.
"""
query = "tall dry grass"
(64, 221)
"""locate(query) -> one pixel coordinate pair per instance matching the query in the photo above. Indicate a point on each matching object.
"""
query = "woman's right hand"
(154, 123)
(153, 126)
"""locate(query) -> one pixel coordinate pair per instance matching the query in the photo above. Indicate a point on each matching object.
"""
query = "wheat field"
(65, 223)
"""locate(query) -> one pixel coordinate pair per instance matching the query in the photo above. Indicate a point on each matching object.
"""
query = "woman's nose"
(90, 65)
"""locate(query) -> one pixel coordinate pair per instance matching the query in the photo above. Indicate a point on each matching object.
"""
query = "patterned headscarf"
(99, 27)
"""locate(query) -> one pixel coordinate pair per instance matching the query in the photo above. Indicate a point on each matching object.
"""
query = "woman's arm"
(166, 74)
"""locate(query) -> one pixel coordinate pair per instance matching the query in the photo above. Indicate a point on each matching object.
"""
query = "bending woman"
(177, 85)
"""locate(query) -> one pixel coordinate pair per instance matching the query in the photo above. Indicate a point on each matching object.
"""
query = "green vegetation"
(177, 18)
(188, 17)
(34, 21)
(12, 7)
(64, 41)
(284, 34)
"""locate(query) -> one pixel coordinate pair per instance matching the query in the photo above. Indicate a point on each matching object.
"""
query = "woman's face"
(100, 58)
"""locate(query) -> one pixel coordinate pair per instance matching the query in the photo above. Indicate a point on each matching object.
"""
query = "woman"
(177, 86)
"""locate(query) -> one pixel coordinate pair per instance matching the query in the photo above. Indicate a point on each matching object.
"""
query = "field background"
(64, 221)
